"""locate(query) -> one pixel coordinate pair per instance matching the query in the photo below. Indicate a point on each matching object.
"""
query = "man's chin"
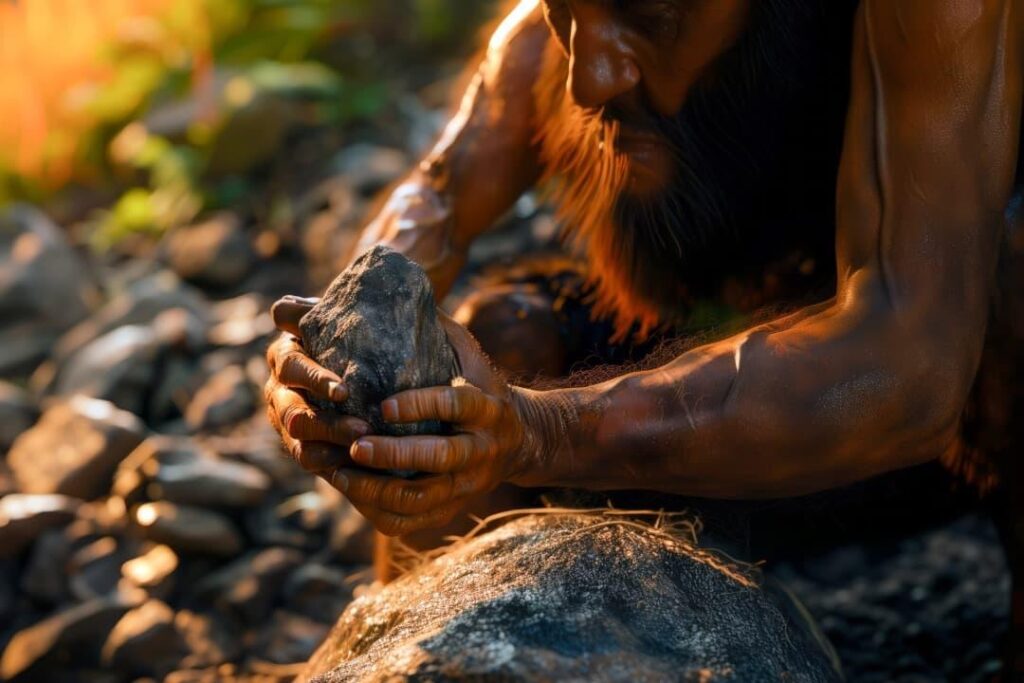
(645, 182)
(650, 168)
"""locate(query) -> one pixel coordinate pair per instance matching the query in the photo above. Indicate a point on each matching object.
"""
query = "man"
(697, 145)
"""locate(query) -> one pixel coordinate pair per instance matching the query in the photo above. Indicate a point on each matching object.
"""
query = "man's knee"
(518, 328)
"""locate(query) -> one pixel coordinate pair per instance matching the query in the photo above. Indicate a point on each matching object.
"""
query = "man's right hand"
(318, 440)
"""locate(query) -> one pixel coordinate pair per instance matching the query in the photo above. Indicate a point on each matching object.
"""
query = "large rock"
(574, 597)
(377, 327)
(145, 642)
(247, 589)
(79, 629)
(75, 448)
(139, 303)
(45, 287)
(179, 470)
(215, 253)
(224, 399)
(25, 516)
(122, 366)
(188, 529)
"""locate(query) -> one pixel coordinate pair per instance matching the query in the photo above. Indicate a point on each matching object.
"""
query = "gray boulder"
(214, 253)
(123, 365)
(561, 597)
(45, 287)
(377, 327)
(136, 303)
(75, 448)
(24, 517)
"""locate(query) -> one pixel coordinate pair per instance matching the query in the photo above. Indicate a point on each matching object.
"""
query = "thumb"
(475, 365)
(288, 311)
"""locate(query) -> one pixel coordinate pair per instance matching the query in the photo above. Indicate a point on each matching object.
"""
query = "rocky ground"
(150, 527)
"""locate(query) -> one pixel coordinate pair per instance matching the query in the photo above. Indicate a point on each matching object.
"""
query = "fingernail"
(336, 391)
(339, 481)
(362, 451)
(389, 410)
(361, 429)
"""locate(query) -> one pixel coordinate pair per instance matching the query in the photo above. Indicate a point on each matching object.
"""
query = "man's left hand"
(487, 432)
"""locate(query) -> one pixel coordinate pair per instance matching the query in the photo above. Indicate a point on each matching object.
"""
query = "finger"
(474, 364)
(288, 311)
(315, 425)
(463, 404)
(391, 524)
(393, 494)
(438, 454)
(288, 406)
(299, 371)
(319, 458)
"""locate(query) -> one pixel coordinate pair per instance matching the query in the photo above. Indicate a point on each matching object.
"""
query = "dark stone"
(45, 578)
(574, 597)
(154, 571)
(191, 475)
(247, 589)
(930, 607)
(145, 642)
(75, 448)
(72, 632)
(96, 569)
(45, 287)
(289, 638)
(17, 413)
(124, 365)
(377, 327)
(214, 253)
(224, 399)
(139, 303)
(211, 642)
(188, 529)
(318, 591)
(24, 516)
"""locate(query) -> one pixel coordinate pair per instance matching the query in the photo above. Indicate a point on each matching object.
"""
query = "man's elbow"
(923, 419)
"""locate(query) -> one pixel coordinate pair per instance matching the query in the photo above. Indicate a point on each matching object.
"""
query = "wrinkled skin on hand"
(487, 432)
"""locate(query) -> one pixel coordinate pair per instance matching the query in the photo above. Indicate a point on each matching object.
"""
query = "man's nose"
(601, 65)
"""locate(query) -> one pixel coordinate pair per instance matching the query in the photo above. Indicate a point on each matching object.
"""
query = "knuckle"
(294, 419)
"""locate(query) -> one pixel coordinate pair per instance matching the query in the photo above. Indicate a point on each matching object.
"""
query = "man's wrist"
(547, 418)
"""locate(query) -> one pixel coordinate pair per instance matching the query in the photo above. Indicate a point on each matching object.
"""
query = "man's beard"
(760, 128)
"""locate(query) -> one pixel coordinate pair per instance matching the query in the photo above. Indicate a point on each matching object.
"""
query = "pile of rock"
(149, 523)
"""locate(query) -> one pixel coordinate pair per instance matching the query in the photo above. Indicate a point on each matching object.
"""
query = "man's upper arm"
(929, 157)
(928, 166)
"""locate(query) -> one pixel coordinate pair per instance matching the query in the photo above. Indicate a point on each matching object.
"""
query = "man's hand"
(319, 441)
(487, 433)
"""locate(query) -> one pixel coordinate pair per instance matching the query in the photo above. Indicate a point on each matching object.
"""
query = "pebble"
(188, 529)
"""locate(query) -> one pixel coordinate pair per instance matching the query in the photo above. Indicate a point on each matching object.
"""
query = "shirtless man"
(696, 145)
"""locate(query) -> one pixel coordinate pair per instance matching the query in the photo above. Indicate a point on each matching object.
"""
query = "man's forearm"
(484, 160)
(774, 412)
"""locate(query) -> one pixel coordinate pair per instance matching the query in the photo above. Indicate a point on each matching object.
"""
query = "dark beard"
(756, 150)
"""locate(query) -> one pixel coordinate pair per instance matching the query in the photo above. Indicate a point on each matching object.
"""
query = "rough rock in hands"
(377, 327)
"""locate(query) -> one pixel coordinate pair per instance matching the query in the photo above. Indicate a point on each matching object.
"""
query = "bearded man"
(854, 162)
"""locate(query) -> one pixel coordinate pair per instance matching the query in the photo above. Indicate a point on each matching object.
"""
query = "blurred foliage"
(175, 102)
